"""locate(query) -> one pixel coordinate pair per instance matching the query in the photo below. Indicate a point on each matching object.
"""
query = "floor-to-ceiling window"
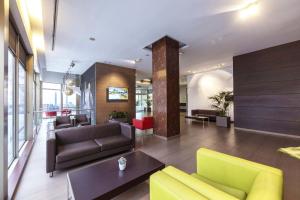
(51, 96)
(16, 99)
(21, 105)
(69, 101)
(11, 105)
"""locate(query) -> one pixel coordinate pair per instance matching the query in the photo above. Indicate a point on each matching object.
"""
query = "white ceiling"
(211, 28)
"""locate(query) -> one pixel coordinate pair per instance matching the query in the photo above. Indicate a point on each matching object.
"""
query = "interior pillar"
(165, 62)
(4, 11)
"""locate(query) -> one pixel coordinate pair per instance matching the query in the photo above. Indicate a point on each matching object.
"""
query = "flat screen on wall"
(117, 94)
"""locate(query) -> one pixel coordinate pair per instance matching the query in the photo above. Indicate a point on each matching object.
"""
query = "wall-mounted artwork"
(117, 94)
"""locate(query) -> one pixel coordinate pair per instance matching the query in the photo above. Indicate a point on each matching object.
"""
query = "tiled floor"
(179, 152)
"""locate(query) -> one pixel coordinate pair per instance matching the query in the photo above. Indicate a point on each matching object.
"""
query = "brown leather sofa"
(74, 146)
(211, 114)
(62, 122)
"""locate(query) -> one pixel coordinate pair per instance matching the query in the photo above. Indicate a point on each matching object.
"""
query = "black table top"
(104, 180)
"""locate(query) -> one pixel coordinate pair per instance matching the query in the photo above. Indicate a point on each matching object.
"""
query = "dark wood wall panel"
(277, 126)
(271, 113)
(267, 89)
(283, 74)
(113, 76)
(289, 100)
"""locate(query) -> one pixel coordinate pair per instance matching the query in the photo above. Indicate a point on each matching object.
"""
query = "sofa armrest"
(128, 131)
(229, 170)
(50, 151)
(162, 186)
(267, 185)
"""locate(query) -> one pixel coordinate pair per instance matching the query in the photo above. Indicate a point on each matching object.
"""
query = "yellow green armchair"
(219, 177)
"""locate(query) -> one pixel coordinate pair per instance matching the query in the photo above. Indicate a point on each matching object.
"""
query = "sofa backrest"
(83, 133)
(73, 135)
(63, 120)
(205, 112)
(106, 130)
(81, 118)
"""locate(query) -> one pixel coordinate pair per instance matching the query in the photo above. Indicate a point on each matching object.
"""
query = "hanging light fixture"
(69, 81)
(68, 91)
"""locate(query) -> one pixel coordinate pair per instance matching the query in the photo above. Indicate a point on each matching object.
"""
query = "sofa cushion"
(60, 126)
(74, 135)
(107, 130)
(197, 185)
(232, 191)
(76, 150)
(63, 120)
(112, 142)
(84, 123)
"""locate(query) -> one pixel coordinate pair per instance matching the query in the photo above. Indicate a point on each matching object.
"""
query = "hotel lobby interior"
(158, 100)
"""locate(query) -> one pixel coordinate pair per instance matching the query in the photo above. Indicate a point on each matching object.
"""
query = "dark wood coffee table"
(104, 180)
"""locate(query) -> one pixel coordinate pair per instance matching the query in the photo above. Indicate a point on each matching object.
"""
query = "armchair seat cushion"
(107, 143)
(76, 150)
(60, 126)
(84, 123)
(232, 191)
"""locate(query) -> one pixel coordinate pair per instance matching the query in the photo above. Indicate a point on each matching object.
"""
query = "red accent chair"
(143, 124)
(50, 114)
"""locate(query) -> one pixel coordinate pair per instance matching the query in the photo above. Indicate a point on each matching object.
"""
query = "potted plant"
(222, 102)
(148, 104)
(119, 116)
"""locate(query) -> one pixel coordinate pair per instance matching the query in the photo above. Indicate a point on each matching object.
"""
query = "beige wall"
(203, 85)
(110, 75)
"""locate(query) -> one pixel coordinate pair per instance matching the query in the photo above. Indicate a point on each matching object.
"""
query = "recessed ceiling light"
(138, 60)
(92, 38)
(189, 71)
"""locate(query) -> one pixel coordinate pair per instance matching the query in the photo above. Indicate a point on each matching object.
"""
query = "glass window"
(69, 101)
(21, 105)
(51, 99)
(10, 103)
(52, 86)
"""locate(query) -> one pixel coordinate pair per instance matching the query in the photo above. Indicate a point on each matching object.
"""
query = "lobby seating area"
(149, 100)
(73, 146)
(218, 176)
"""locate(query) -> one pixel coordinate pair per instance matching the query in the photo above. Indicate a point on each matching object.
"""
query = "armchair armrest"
(54, 124)
(128, 131)
(229, 170)
(266, 185)
(137, 122)
(50, 151)
(162, 186)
